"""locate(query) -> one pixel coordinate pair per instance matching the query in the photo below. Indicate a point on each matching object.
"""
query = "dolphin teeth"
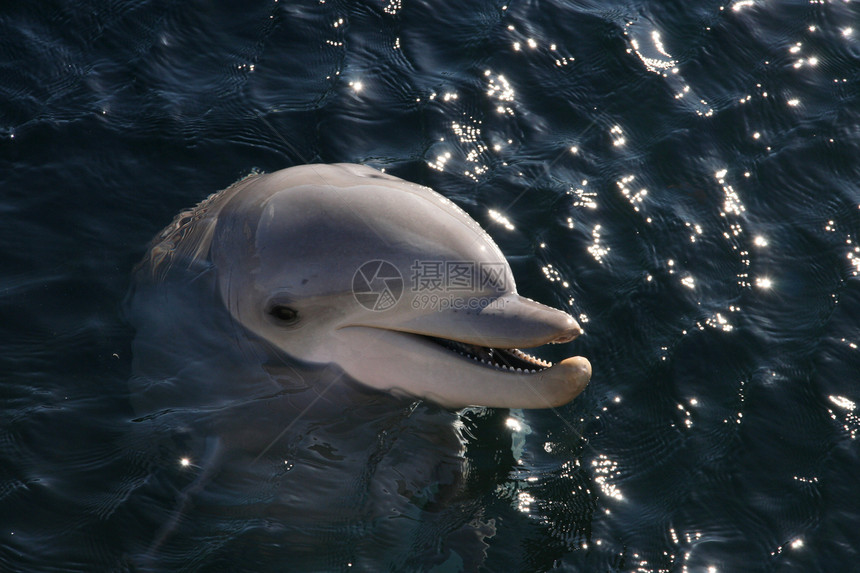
(502, 359)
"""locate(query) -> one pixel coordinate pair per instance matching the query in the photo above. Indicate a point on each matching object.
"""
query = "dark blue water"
(681, 176)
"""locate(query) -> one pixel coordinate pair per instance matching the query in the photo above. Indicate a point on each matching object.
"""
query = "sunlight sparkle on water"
(732, 205)
(524, 500)
(653, 61)
(658, 43)
(763, 283)
(441, 160)
(634, 197)
(646, 43)
(719, 322)
(605, 469)
(499, 218)
(854, 259)
(500, 89)
(553, 275)
(583, 198)
(842, 402)
(617, 135)
(849, 420)
(596, 249)
(393, 7)
(696, 227)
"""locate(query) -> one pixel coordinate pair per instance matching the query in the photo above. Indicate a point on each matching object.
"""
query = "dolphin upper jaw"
(500, 321)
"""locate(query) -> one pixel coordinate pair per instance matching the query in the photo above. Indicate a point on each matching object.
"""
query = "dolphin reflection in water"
(304, 341)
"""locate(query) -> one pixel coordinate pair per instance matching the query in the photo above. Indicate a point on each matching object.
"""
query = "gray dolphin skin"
(390, 281)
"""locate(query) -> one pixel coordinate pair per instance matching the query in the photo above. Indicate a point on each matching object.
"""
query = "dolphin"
(386, 279)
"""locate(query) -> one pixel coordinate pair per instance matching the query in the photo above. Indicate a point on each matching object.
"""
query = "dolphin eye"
(284, 314)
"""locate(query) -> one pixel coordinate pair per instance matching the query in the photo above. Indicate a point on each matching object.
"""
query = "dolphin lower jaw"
(456, 375)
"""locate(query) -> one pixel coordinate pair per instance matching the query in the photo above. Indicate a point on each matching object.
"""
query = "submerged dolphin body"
(388, 280)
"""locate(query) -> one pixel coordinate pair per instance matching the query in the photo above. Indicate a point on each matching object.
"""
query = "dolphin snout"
(528, 323)
(511, 321)
(573, 331)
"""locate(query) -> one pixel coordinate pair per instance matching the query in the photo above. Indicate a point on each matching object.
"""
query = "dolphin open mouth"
(509, 359)
(481, 371)
(460, 359)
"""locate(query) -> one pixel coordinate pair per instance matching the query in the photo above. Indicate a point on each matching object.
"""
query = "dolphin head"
(390, 281)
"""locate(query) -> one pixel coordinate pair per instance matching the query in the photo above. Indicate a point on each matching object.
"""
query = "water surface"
(683, 177)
